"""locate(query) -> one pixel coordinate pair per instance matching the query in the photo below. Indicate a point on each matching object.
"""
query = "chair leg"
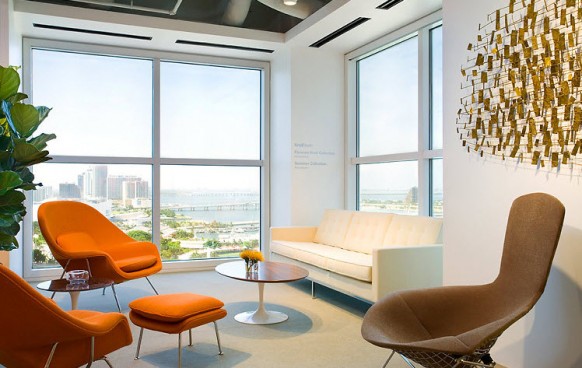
(92, 352)
(104, 291)
(389, 359)
(407, 361)
(139, 343)
(108, 362)
(218, 339)
(180, 350)
(155, 291)
(50, 357)
(190, 335)
(115, 296)
(62, 274)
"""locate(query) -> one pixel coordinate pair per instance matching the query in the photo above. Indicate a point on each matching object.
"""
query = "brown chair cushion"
(174, 307)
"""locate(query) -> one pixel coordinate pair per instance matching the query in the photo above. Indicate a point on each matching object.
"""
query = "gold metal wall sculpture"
(522, 84)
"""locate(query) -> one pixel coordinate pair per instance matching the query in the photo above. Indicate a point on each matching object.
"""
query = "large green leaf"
(17, 97)
(11, 229)
(26, 175)
(12, 198)
(40, 141)
(8, 181)
(26, 153)
(9, 82)
(24, 118)
(6, 220)
(4, 155)
(34, 162)
(8, 242)
(43, 112)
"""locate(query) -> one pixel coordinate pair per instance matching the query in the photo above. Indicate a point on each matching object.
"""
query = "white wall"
(478, 194)
(307, 147)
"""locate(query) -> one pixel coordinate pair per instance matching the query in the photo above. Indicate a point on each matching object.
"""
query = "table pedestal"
(261, 316)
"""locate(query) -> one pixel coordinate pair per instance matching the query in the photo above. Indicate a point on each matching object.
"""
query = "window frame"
(155, 161)
(424, 154)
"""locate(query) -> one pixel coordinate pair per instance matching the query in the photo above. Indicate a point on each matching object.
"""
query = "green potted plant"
(18, 151)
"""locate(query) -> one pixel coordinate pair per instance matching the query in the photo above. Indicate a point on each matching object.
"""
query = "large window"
(169, 149)
(395, 124)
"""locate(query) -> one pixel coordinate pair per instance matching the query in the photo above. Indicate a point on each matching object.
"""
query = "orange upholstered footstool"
(174, 314)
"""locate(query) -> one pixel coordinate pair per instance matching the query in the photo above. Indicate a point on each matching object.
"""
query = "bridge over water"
(241, 206)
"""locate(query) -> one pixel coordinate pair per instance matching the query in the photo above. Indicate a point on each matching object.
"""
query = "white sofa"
(365, 254)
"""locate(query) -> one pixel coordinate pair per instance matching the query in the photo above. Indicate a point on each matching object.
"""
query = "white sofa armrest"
(294, 233)
(406, 267)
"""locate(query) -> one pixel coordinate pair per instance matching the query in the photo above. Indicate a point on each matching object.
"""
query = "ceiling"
(68, 21)
(264, 15)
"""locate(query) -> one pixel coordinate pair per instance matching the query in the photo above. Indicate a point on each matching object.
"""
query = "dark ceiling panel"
(260, 16)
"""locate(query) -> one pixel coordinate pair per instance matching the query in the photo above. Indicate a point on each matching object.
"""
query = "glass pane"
(436, 95)
(120, 192)
(390, 187)
(102, 105)
(209, 212)
(388, 100)
(437, 187)
(215, 111)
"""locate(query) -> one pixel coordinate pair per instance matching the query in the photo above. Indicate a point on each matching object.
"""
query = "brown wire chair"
(456, 326)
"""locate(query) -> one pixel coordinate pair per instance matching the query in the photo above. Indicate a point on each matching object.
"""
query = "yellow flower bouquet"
(251, 257)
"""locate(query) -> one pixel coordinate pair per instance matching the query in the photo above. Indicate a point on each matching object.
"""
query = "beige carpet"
(322, 332)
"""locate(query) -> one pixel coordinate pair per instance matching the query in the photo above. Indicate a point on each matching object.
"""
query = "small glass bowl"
(76, 277)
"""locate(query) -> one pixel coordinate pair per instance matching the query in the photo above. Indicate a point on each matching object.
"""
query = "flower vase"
(251, 266)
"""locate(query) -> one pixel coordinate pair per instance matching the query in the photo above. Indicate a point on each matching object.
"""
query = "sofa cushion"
(413, 230)
(333, 227)
(366, 231)
(348, 263)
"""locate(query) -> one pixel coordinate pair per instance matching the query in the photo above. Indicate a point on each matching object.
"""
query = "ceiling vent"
(388, 4)
(335, 34)
(92, 31)
(223, 46)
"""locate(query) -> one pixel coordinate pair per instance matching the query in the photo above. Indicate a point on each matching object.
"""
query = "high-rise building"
(95, 182)
(69, 190)
(115, 186)
(137, 189)
(100, 181)
(42, 193)
(81, 184)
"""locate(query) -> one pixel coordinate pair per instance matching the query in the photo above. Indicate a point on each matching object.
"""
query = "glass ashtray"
(77, 277)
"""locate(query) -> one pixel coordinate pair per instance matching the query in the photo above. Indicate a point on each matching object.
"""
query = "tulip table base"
(261, 316)
(268, 272)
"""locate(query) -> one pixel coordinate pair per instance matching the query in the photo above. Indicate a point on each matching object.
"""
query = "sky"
(103, 107)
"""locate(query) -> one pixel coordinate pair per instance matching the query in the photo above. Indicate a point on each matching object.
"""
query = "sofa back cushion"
(333, 227)
(367, 231)
(413, 230)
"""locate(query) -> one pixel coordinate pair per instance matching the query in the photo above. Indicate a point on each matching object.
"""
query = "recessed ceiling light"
(290, 2)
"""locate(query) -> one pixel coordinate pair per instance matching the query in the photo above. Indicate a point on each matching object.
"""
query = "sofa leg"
(313, 290)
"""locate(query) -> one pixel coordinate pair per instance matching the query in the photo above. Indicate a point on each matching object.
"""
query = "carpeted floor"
(322, 332)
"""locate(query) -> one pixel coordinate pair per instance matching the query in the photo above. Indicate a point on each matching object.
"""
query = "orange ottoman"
(175, 313)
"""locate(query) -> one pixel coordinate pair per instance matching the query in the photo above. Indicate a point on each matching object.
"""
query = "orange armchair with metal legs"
(456, 326)
(35, 332)
(80, 237)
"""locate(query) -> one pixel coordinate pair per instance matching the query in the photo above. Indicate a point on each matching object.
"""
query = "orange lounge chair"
(80, 237)
(37, 333)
